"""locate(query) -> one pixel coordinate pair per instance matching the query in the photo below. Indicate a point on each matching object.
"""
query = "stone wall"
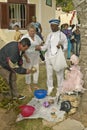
(81, 7)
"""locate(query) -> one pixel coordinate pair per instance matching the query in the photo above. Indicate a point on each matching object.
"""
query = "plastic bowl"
(41, 93)
(26, 110)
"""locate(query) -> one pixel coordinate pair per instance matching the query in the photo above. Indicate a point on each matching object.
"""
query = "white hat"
(54, 21)
(16, 24)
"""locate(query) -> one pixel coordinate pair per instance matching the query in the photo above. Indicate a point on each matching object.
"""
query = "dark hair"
(25, 41)
(16, 26)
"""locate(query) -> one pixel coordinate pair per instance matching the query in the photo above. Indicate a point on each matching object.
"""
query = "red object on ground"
(26, 110)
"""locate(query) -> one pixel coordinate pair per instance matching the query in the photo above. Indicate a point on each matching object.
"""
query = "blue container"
(40, 93)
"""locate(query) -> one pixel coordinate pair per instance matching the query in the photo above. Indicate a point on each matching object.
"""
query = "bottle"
(41, 56)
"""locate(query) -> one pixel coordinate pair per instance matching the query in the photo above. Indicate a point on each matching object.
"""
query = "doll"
(73, 77)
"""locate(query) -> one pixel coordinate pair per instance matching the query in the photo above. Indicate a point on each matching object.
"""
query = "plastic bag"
(58, 61)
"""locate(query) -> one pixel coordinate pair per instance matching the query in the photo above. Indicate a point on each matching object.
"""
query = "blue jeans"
(77, 46)
(69, 49)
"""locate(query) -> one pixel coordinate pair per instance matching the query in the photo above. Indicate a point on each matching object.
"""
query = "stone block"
(77, 2)
(69, 124)
(48, 123)
(84, 106)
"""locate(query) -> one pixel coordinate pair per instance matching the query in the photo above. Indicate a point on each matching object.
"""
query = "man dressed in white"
(55, 40)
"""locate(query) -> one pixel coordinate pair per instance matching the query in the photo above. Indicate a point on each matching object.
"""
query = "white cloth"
(31, 53)
(53, 39)
(34, 58)
(58, 60)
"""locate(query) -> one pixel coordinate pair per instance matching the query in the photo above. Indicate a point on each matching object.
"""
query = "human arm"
(22, 70)
(60, 45)
(40, 28)
(40, 47)
(26, 57)
(16, 68)
(64, 41)
(46, 44)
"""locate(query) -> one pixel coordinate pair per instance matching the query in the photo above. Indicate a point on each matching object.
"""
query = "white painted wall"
(47, 13)
(43, 13)
(3, 0)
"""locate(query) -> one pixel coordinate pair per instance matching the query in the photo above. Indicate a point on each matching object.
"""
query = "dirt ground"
(8, 118)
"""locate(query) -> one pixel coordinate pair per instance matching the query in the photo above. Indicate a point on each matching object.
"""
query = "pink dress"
(73, 81)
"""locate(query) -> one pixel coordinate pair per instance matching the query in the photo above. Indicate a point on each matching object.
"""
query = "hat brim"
(54, 21)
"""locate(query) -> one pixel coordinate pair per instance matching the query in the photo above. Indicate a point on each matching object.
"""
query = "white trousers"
(59, 75)
(35, 75)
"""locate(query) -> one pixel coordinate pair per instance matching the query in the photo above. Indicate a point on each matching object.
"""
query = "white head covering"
(74, 59)
(54, 21)
(17, 23)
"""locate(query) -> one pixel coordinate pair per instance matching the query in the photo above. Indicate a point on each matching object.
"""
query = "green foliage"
(67, 5)
(3, 85)
(58, 2)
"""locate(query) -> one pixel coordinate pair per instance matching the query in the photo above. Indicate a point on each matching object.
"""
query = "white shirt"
(53, 39)
(31, 53)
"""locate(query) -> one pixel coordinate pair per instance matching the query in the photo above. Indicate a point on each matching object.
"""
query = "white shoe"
(20, 97)
(49, 91)
(57, 94)
(58, 91)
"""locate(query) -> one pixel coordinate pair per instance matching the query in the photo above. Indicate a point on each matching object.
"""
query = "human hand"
(38, 48)
(59, 45)
(12, 65)
(28, 71)
(32, 70)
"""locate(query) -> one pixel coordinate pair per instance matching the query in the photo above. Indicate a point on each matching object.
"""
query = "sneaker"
(57, 94)
(68, 58)
(20, 97)
(49, 91)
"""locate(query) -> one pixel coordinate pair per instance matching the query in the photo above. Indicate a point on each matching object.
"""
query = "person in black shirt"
(11, 63)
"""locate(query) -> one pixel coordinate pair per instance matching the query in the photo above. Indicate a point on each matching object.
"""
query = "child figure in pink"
(73, 77)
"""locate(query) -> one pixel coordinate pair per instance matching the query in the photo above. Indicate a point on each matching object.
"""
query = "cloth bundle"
(58, 61)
